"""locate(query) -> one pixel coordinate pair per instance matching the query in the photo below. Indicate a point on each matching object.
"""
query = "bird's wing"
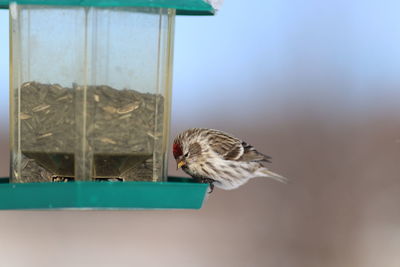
(228, 147)
(231, 148)
(251, 154)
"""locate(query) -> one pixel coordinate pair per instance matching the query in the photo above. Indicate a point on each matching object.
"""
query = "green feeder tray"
(177, 193)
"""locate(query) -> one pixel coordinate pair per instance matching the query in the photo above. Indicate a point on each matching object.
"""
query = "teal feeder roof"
(183, 7)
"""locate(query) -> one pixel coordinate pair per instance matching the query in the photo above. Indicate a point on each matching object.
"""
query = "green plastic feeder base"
(177, 193)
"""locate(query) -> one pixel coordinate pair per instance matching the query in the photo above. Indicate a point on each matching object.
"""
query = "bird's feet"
(210, 182)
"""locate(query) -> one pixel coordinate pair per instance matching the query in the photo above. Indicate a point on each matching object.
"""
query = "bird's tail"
(274, 176)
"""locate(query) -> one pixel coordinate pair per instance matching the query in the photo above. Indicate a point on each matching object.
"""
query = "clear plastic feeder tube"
(90, 92)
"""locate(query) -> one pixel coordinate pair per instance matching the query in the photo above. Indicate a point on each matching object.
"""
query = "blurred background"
(316, 85)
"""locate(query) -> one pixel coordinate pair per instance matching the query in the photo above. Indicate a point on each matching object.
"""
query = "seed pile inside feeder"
(123, 130)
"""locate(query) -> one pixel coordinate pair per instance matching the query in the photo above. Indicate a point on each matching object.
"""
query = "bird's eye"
(186, 155)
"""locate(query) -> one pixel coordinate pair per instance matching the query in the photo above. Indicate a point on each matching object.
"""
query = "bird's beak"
(180, 164)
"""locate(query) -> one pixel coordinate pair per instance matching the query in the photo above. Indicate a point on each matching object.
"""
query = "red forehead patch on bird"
(177, 150)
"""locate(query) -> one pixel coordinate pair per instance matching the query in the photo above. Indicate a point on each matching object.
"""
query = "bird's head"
(180, 154)
(187, 150)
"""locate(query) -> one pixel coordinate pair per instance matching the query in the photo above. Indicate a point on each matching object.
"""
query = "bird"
(219, 159)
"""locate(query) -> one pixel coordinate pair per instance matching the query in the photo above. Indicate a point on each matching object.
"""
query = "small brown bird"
(217, 158)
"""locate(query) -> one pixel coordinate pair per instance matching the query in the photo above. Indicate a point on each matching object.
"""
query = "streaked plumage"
(220, 159)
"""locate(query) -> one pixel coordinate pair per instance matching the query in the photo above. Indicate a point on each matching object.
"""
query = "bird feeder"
(90, 91)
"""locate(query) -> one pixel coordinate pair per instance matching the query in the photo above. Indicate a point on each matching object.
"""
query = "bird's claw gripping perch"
(210, 182)
(211, 188)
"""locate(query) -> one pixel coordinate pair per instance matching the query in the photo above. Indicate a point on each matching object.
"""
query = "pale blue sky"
(249, 61)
